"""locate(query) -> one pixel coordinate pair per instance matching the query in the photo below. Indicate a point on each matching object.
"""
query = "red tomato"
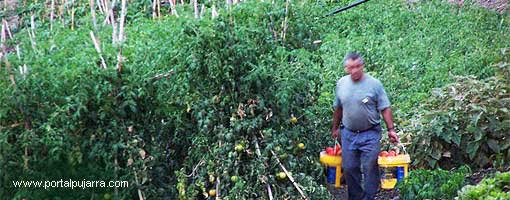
(338, 150)
(330, 151)
(383, 154)
(392, 153)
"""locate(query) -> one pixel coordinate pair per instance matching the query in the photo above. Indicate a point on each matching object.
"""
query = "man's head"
(354, 65)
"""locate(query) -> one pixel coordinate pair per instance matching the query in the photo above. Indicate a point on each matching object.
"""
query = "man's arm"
(337, 117)
(388, 118)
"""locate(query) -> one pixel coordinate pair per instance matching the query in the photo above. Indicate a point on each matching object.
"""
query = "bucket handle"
(402, 145)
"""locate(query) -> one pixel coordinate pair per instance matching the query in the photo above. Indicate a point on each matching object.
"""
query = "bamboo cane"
(202, 10)
(288, 175)
(284, 24)
(99, 6)
(51, 14)
(98, 49)
(154, 9)
(172, 6)
(257, 150)
(214, 14)
(72, 14)
(195, 6)
(159, 8)
(218, 188)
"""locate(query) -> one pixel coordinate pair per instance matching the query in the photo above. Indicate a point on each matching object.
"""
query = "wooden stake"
(202, 10)
(217, 188)
(105, 8)
(123, 11)
(159, 8)
(51, 14)
(195, 5)
(2, 43)
(72, 14)
(154, 9)
(99, 6)
(98, 49)
(140, 194)
(288, 175)
(257, 150)
(172, 6)
(214, 13)
(284, 24)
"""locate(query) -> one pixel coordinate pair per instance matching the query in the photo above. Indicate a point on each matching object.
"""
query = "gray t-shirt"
(361, 101)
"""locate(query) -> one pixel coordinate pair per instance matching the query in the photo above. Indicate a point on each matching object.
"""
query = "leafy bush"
(432, 184)
(490, 188)
(464, 122)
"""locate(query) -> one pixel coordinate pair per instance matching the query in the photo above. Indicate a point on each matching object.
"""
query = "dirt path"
(496, 5)
(9, 7)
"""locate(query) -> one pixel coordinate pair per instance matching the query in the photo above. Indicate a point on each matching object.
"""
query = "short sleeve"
(337, 103)
(382, 98)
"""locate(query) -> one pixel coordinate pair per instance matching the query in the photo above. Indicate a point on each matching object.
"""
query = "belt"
(359, 131)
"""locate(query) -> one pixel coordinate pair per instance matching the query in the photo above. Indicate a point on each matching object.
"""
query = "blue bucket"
(331, 175)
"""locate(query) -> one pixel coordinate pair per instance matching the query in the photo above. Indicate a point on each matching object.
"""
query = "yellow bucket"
(393, 169)
(333, 161)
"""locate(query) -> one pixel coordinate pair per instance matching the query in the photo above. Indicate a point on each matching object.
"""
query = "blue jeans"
(361, 149)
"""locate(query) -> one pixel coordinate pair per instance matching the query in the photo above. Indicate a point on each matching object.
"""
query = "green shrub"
(432, 184)
(497, 188)
(464, 122)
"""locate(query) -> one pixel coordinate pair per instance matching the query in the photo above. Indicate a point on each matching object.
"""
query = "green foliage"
(432, 184)
(469, 119)
(496, 188)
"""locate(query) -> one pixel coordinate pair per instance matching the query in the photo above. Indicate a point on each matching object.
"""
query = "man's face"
(355, 69)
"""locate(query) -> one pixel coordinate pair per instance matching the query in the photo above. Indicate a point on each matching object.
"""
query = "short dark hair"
(353, 56)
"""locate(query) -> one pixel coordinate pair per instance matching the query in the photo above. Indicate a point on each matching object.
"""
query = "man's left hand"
(392, 135)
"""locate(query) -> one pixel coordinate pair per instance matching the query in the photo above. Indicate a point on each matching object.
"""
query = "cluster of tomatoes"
(334, 151)
(387, 154)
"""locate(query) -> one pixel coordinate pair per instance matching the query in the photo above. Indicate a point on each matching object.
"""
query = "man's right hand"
(334, 133)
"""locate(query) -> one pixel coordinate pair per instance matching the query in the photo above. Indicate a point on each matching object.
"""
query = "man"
(359, 100)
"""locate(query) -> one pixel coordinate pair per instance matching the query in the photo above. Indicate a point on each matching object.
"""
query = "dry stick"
(93, 12)
(160, 76)
(98, 49)
(284, 24)
(257, 150)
